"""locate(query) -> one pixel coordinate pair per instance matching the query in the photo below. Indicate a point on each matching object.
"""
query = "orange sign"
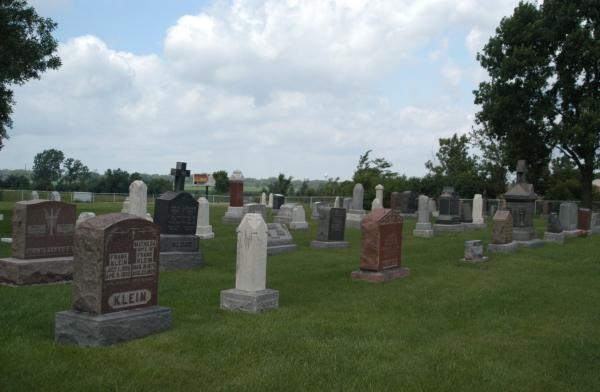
(203, 179)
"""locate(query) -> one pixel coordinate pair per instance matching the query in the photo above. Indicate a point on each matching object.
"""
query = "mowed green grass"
(529, 321)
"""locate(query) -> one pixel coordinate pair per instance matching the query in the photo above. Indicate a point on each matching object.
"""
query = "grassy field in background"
(528, 321)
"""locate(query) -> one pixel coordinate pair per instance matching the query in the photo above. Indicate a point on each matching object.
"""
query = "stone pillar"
(478, 209)
(379, 194)
(250, 293)
(263, 199)
(236, 189)
(337, 203)
(203, 228)
(270, 203)
(358, 194)
(375, 204)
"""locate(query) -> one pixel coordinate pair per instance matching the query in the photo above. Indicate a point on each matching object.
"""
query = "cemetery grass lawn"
(528, 321)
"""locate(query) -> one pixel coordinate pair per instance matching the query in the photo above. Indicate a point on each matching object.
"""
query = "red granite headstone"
(584, 219)
(116, 264)
(43, 229)
(236, 193)
(381, 240)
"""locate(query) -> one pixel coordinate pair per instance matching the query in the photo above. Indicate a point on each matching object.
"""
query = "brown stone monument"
(42, 247)
(502, 233)
(584, 220)
(115, 282)
(395, 200)
(235, 211)
(381, 253)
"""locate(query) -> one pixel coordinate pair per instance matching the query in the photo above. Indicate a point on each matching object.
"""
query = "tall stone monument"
(115, 283)
(478, 211)
(176, 213)
(270, 202)
(337, 202)
(42, 243)
(263, 199)
(355, 215)
(250, 293)
(235, 211)
(381, 252)
(379, 194)
(424, 228)
(449, 214)
(204, 230)
(331, 230)
(520, 201)
(315, 210)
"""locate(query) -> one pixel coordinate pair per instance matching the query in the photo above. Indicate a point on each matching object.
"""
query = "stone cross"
(521, 171)
(180, 174)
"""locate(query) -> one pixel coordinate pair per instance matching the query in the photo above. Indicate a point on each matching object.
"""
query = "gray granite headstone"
(554, 225)
(568, 216)
(358, 194)
(330, 233)
(254, 208)
(55, 196)
(35, 195)
(347, 203)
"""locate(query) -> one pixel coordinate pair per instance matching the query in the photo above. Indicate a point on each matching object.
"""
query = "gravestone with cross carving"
(176, 213)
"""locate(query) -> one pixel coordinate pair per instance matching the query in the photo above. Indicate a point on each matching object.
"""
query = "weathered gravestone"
(83, 216)
(235, 211)
(35, 195)
(279, 239)
(253, 208)
(478, 209)
(568, 217)
(376, 204)
(423, 228)
(270, 202)
(137, 201)
(250, 293)
(474, 251)
(278, 201)
(466, 215)
(347, 204)
(409, 203)
(379, 194)
(356, 214)
(554, 233)
(315, 210)
(204, 229)
(396, 201)
(381, 252)
(176, 213)
(284, 215)
(584, 220)
(115, 283)
(520, 201)
(502, 233)
(298, 221)
(42, 243)
(337, 203)
(55, 196)
(449, 214)
(331, 230)
(263, 199)
(596, 223)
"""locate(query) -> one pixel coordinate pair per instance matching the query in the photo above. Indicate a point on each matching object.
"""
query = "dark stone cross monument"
(176, 213)
(520, 201)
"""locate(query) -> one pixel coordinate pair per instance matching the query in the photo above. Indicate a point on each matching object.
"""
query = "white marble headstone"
(251, 261)
(263, 199)
(138, 198)
(375, 204)
(203, 228)
(477, 209)
(379, 194)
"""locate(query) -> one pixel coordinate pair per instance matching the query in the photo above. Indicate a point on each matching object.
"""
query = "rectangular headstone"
(332, 223)
(43, 229)
(176, 213)
(502, 227)
(278, 201)
(381, 240)
(568, 216)
(115, 264)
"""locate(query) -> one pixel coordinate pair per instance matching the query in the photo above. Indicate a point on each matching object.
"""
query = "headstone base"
(455, 228)
(475, 226)
(298, 225)
(329, 244)
(408, 215)
(233, 216)
(353, 220)
(571, 233)
(511, 247)
(277, 249)
(555, 238)
(478, 221)
(205, 232)
(523, 234)
(21, 272)
(85, 329)
(380, 276)
(423, 233)
(170, 261)
(534, 243)
(249, 301)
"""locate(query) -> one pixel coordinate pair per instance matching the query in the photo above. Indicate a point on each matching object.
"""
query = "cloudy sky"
(302, 87)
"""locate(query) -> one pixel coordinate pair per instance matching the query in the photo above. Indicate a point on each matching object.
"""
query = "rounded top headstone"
(202, 200)
(379, 187)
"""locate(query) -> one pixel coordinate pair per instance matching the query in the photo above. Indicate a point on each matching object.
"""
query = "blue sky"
(299, 87)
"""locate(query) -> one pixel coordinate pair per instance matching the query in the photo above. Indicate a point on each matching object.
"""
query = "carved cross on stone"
(180, 174)
(521, 171)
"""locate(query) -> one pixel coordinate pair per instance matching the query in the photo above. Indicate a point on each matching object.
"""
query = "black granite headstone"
(278, 201)
(332, 223)
(176, 213)
(554, 225)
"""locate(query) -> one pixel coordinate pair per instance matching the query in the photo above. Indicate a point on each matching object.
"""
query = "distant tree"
(16, 181)
(282, 185)
(76, 176)
(47, 168)
(543, 92)
(456, 167)
(113, 181)
(564, 181)
(371, 172)
(221, 181)
(305, 189)
(27, 49)
(135, 176)
(158, 185)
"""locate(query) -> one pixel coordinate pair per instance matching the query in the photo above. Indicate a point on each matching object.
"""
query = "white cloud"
(267, 87)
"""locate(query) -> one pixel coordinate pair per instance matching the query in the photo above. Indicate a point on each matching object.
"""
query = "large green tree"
(543, 92)
(47, 168)
(27, 49)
